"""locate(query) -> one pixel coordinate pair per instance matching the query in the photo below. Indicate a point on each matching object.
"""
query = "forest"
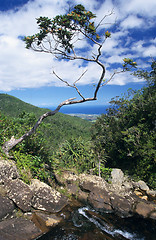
(124, 137)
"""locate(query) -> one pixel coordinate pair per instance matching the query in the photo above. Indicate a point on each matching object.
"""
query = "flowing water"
(84, 223)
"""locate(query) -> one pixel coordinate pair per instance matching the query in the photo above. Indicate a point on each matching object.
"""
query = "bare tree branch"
(107, 15)
(74, 84)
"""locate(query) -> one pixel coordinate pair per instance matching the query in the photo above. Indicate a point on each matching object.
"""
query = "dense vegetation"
(54, 129)
(34, 156)
(126, 135)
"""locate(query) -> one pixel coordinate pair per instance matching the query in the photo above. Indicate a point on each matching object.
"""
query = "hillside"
(56, 129)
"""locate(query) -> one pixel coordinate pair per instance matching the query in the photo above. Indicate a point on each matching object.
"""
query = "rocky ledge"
(122, 196)
(29, 211)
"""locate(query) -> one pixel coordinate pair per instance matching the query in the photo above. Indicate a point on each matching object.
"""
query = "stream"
(84, 223)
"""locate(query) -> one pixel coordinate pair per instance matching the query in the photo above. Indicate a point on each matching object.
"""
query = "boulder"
(121, 205)
(143, 186)
(89, 182)
(117, 176)
(100, 199)
(8, 170)
(45, 198)
(152, 195)
(20, 193)
(18, 229)
(120, 184)
(146, 209)
(7, 207)
(45, 222)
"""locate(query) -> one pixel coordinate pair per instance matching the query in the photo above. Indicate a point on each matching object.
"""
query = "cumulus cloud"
(22, 68)
(132, 22)
(144, 8)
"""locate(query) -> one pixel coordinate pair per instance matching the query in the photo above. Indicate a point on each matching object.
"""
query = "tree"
(127, 131)
(58, 36)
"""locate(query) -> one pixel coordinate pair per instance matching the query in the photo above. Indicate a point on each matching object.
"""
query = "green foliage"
(63, 28)
(74, 154)
(23, 163)
(53, 131)
(34, 156)
(30, 166)
(31, 156)
(127, 132)
(105, 172)
(129, 64)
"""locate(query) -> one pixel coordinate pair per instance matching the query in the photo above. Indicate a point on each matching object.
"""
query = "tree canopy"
(127, 132)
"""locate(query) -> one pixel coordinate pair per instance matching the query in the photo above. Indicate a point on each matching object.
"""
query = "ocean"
(99, 109)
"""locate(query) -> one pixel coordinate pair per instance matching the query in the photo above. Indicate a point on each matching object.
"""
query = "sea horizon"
(98, 110)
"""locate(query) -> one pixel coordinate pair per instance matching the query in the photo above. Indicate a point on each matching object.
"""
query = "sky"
(28, 75)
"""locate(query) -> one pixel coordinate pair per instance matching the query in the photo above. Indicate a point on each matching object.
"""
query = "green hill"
(13, 106)
(56, 129)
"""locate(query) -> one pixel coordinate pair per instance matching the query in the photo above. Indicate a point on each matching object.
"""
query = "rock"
(128, 186)
(20, 193)
(66, 177)
(120, 184)
(151, 194)
(145, 209)
(89, 182)
(100, 199)
(122, 206)
(83, 196)
(45, 222)
(7, 206)
(3, 191)
(8, 170)
(143, 186)
(18, 229)
(153, 215)
(138, 193)
(73, 188)
(144, 198)
(119, 196)
(53, 221)
(87, 186)
(117, 176)
(45, 198)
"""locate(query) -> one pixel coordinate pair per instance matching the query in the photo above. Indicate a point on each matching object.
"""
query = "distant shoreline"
(88, 117)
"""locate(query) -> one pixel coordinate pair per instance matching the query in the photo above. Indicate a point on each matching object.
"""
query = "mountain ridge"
(62, 126)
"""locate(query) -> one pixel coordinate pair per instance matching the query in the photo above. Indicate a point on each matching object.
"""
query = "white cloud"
(145, 8)
(149, 51)
(22, 68)
(132, 22)
(124, 78)
(145, 51)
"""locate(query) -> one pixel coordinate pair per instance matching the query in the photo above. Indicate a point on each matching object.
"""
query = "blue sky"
(28, 75)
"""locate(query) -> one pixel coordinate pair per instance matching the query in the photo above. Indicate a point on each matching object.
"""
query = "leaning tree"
(59, 36)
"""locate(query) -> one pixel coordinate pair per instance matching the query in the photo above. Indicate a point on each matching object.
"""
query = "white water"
(106, 228)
